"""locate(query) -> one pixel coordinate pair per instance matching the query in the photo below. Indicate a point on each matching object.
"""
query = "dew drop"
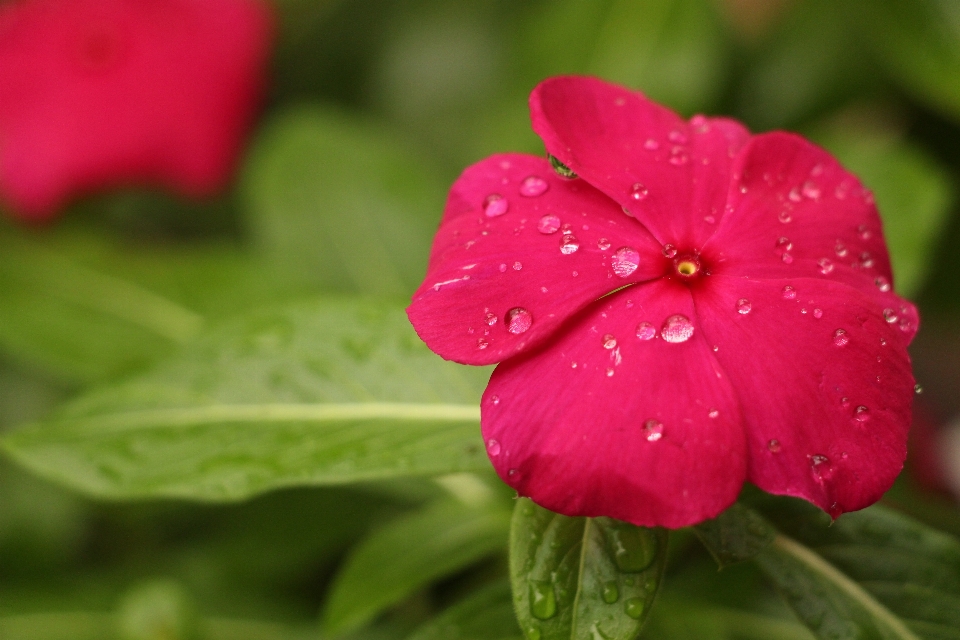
(785, 217)
(882, 283)
(787, 258)
(844, 402)
(517, 266)
(714, 413)
(548, 224)
(603, 244)
(495, 399)
(609, 342)
(533, 186)
(743, 306)
(482, 344)
(493, 447)
(651, 144)
(634, 548)
(917, 389)
(820, 465)
(811, 190)
(609, 372)
(840, 249)
(646, 331)
(678, 157)
(789, 293)
(518, 320)
(495, 205)
(638, 192)
(864, 232)
(676, 329)
(825, 266)
(890, 315)
(503, 268)
(784, 244)
(490, 318)
(610, 593)
(840, 338)
(543, 601)
(861, 414)
(773, 446)
(669, 251)
(817, 313)
(634, 607)
(866, 260)
(677, 137)
(625, 261)
(709, 219)
(569, 244)
(652, 430)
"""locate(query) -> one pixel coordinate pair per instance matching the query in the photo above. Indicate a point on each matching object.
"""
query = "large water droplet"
(634, 548)
(543, 602)
(634, 607)
(652, 430)
(789, 293)
(609, 342)
(646, 331)
(533, 186)
(493, 447)
(825, 266)
(669, 251)
(840, 338)
(495, 205)
(569, 244)
(625, 261)
(548, 224)
(638, 192)
(743, 306)
(610, 593)
(518, 320)
(676, 329)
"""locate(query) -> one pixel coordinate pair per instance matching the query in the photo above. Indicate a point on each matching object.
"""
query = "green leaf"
(410, 553)
(872, 574)
(918, 41)
(486, 614)
(913, 194)
(340, 204)
(582, 577)
(324, 392)
(737, 534)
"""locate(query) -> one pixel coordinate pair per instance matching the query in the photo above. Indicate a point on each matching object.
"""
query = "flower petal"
(616, 139)
(520, 250)
(796, 212)
(823, 381)
(604, 422)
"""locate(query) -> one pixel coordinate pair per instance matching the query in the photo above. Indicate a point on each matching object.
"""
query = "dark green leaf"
(338, 203)
(410, 553)
(582, 577)
(309, 394)
(486, 614)
(737, 534)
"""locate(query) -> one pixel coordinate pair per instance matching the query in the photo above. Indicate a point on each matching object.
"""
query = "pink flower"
(100, 93)
(698, 308)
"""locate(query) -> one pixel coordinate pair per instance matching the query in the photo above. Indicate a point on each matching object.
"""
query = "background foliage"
(225, 428)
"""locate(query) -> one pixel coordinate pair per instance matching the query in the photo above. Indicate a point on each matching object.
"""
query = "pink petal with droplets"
(799, 386)
(484, 265)
(601, 131)
(576, 439)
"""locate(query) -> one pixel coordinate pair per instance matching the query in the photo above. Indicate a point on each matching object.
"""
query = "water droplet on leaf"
(543, 602)
(634, 607)
(610, 593)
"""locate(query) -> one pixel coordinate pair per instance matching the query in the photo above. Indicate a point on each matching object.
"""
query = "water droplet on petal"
(743, 306)
(844, 402)
(669, 251)
(709, 219)
(784, 216)
(518, 320)
(917, 389)
(678, 137)
(811, 190)
(495, 205)
(609, 342)
(678, 157)
(864, 232)
(774, 446)
(651, 144)
(789, 293)
(603, 244)
(533, 186)
(491, 319)
(493, 447)
(882, 283)
(787, 258)
(840, 338)
(840, 249)
(825, 266)
(861, 414)
(548, 224)
(820, 465)
(517, 266)
(646, 331)
(676, 329)
(817, 313)
(866, 260)
(482, 344)
(625, 261)
(503, 268)
(652, 430)
(609, 372)
(638, 192)
(890, 315)
(569, 244)
(714, 413)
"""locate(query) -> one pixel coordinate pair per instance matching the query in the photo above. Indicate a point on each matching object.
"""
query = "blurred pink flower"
(100, 93)
(699, 308)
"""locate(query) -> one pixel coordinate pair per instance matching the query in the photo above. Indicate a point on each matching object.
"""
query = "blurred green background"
(375, 108)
